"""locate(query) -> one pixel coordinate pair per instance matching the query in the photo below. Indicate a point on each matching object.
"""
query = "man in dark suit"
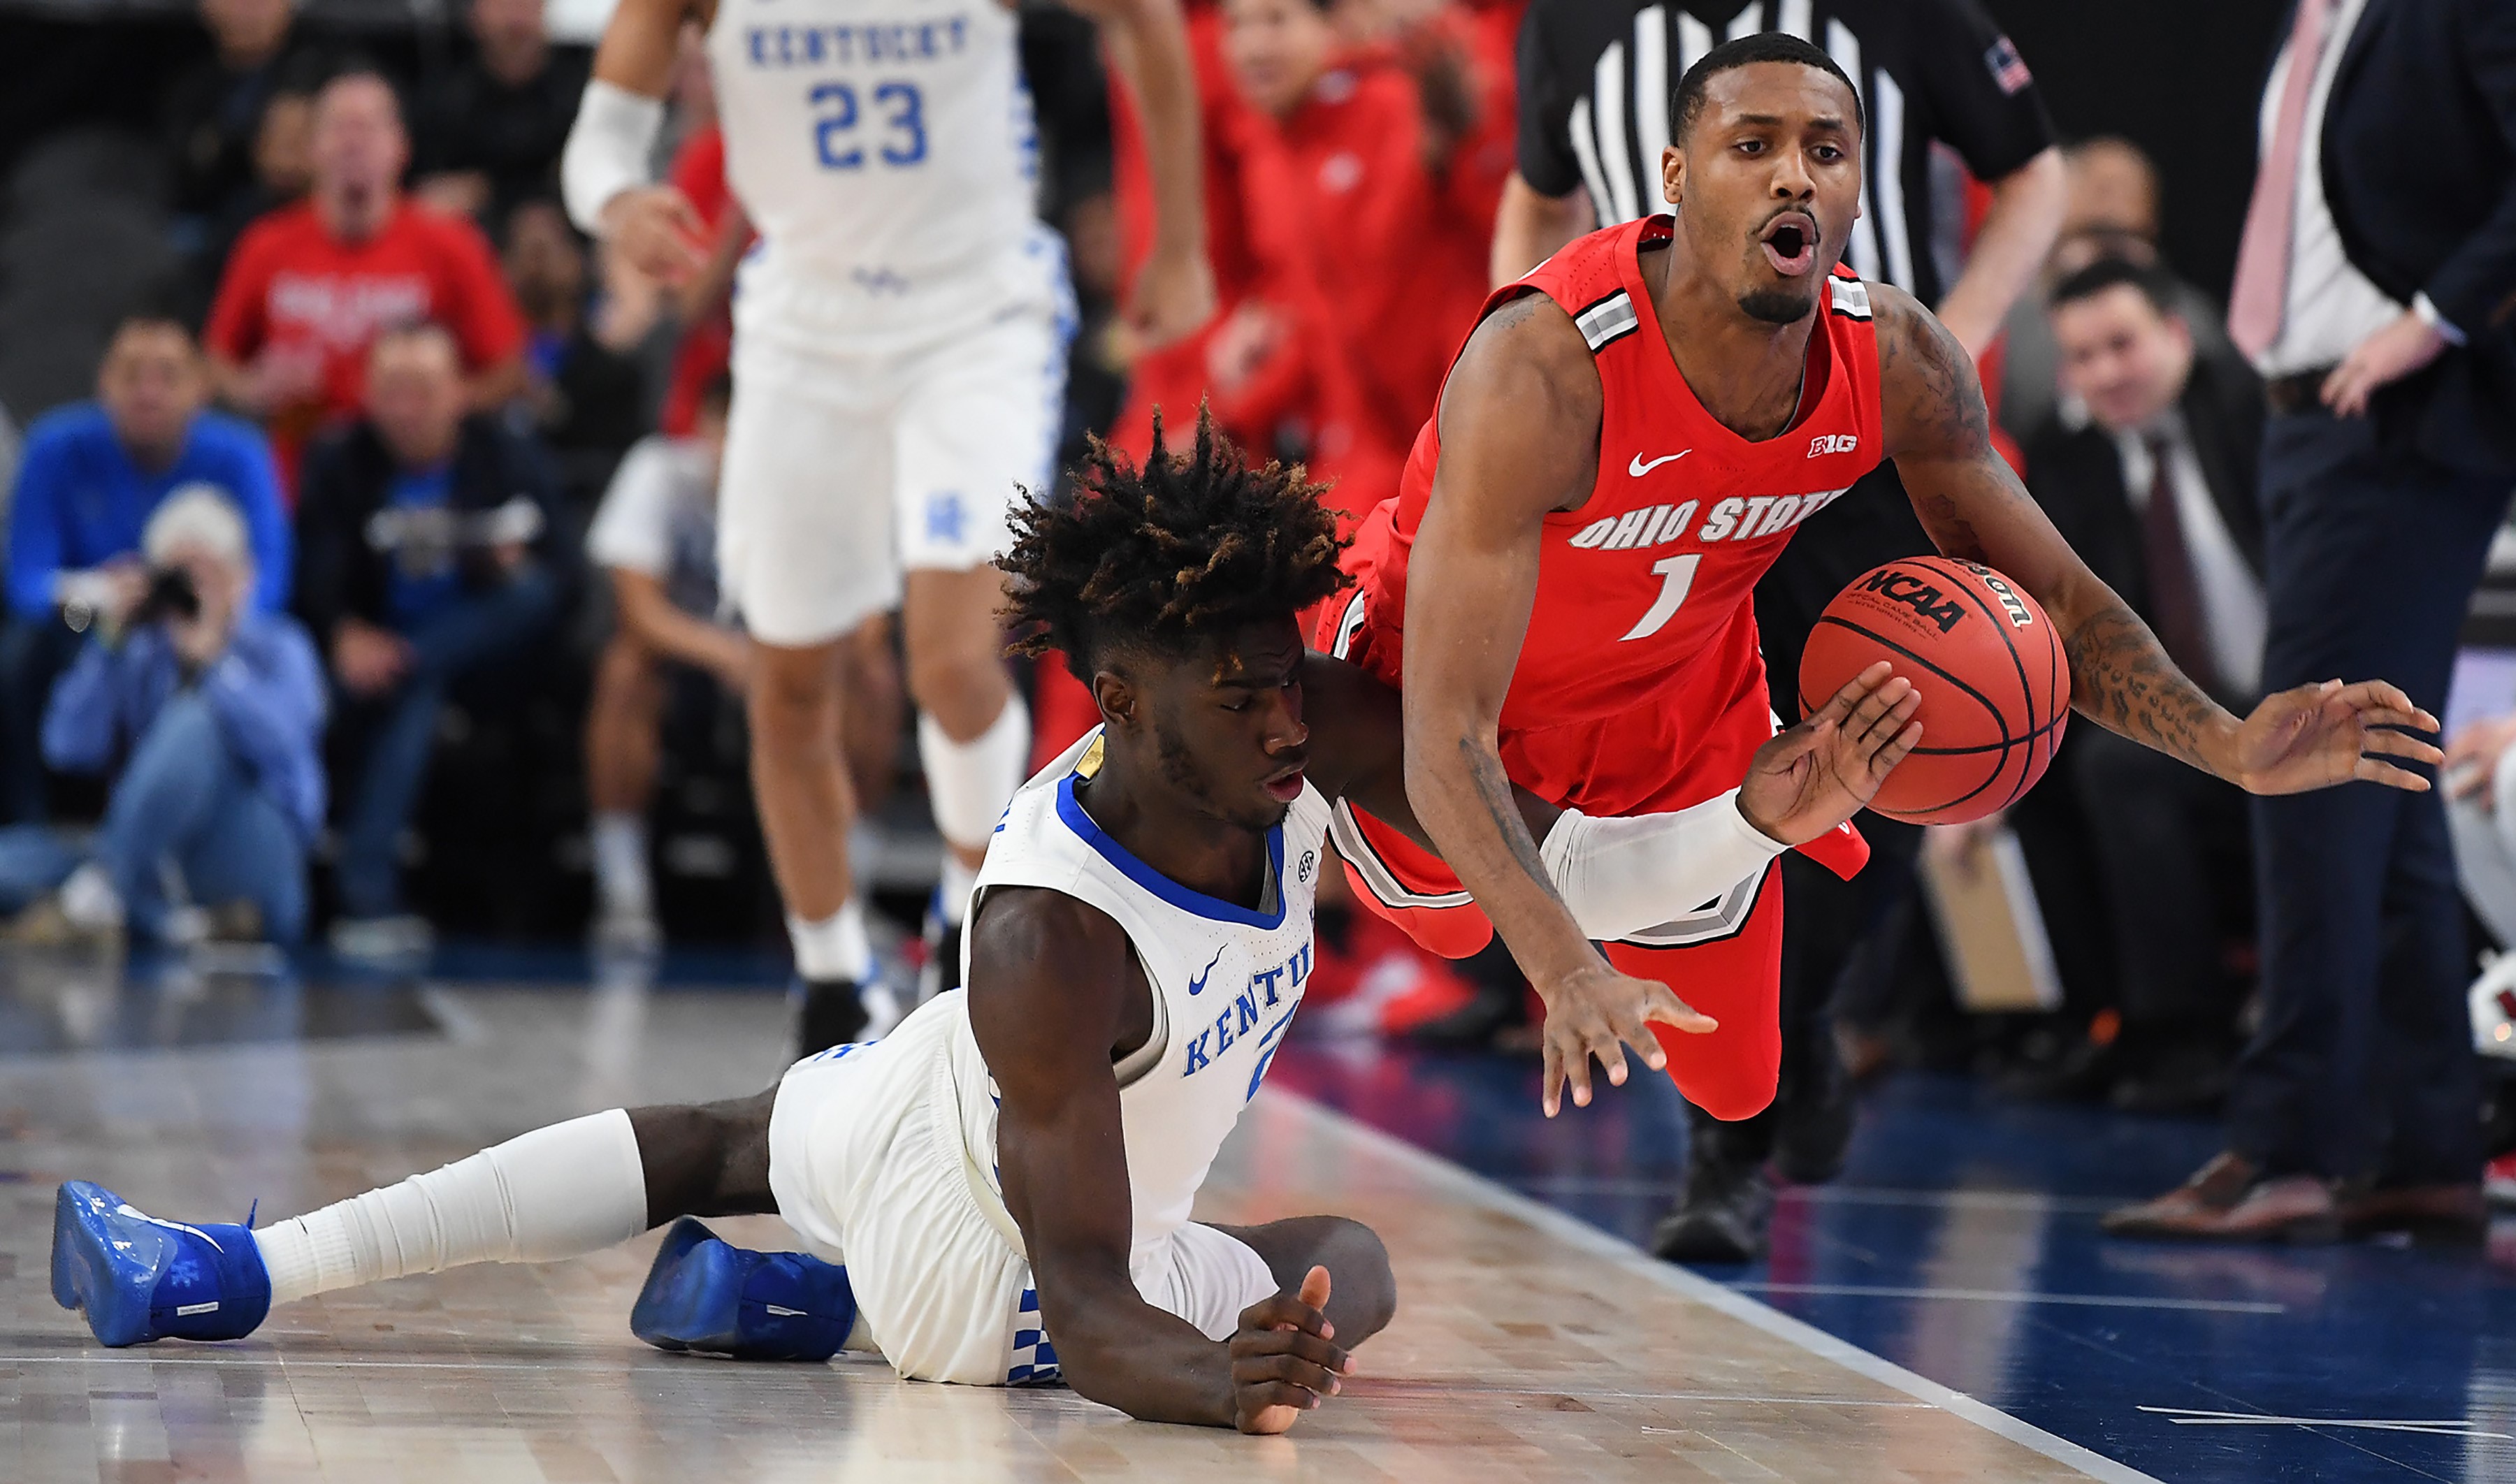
(2373, 292)
(2148, 469)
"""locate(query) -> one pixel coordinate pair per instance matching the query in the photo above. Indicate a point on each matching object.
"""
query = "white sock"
(89, 899)
(835, 947)
(620, 879)
(952, 891)
(558, 1192)
(969, 783)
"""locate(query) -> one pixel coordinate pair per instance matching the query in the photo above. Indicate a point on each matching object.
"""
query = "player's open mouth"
(1791, 243)
(1287, 786)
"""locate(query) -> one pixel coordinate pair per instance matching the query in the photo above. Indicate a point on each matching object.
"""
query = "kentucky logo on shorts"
(946, 519)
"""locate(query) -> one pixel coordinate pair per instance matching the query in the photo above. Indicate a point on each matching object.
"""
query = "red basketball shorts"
(1722, 957)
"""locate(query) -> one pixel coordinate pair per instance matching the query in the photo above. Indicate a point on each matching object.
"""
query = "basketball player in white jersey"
(1017, 1160)
(898, 374)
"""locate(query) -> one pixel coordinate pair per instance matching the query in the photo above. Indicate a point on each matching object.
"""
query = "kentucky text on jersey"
(1241, 1014)
(1734, 519)
(812, 46)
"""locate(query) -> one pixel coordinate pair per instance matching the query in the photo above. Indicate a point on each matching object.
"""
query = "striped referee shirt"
(1596, 75)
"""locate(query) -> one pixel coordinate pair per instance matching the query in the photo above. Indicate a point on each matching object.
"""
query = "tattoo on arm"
(1493, 791)
(2121, 676)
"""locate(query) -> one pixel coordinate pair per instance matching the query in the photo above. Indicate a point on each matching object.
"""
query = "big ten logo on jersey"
(1834, 442)
(1271, 996)
(875, 121)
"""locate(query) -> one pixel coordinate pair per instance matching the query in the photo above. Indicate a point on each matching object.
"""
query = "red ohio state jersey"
(1638, 589)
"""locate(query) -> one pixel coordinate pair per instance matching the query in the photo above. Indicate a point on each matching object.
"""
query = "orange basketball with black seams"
(1996, 685)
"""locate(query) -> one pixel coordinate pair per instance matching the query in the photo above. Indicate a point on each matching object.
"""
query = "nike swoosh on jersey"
(1638, 468)
(1196, 982)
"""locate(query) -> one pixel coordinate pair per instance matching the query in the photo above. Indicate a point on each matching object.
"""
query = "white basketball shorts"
(865, 1161)
(850, 462)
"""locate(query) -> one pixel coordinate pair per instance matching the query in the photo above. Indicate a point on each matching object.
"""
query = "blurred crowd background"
(326, 435)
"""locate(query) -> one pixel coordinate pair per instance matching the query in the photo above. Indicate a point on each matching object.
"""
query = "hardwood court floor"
(1525, 1348)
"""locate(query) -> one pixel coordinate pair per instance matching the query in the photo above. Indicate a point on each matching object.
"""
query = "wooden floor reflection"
(1525, 1348)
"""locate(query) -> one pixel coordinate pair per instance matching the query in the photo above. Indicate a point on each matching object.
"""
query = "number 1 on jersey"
(1676, 576)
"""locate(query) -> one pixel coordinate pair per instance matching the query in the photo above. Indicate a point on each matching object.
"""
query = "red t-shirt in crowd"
(291, 288)
(707, 347)
(1401, 277)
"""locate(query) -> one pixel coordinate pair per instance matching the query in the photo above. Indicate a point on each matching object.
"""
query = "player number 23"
(902, 124)
(1676, 577)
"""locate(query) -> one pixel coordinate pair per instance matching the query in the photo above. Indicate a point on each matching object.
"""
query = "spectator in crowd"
(209, 710)
(583, 390)
(655, 538)
(2110, 211)
(426, 558)
(214, 111)
(1353, 169)
(704, 302)
(2153, 484)
(311, 285)
(490, 130)
(283, 168)
(1593, 122)
(2480, 813)
(91, 476)
(2372, 287)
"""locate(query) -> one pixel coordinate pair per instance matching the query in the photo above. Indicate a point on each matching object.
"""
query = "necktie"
(2175, 606)
(2261, 289)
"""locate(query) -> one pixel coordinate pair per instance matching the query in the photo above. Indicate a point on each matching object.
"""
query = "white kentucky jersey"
(886, 152)
(1226, 980)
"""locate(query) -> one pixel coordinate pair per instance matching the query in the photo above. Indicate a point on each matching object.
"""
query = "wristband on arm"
(607, 151)
(1622, 876)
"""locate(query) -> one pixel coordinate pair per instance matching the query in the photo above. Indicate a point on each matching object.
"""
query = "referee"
(1595, 78)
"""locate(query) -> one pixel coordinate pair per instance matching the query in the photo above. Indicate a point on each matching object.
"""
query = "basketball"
(1996, 686)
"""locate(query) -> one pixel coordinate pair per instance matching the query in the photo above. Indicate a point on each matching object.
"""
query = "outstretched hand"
(2317, 735)
(1599, 1011)
(1814, 776)
(1282, 1359)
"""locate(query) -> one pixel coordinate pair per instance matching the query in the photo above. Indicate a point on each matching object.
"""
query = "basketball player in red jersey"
(1561, 587)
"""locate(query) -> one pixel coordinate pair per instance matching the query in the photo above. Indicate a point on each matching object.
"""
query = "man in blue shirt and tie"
(91, 474)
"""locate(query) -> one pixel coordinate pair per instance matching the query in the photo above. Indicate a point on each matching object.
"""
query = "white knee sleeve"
(557, 1192)
(970, 783)
(1622, 876)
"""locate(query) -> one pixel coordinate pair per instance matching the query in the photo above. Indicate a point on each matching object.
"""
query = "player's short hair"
(1160, 557)
(1686, 104)
(2113, 272)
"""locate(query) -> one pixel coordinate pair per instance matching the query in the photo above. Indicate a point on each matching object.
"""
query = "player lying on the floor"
(1017, 1159)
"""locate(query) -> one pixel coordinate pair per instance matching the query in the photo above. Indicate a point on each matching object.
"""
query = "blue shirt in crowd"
(417, 595)
(80, 502)
(267, 691)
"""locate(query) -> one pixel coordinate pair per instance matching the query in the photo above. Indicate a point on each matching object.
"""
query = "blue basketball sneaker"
(705, 1294)
(140, 1279)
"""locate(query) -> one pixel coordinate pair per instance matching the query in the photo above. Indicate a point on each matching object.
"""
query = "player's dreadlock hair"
(1161, 556)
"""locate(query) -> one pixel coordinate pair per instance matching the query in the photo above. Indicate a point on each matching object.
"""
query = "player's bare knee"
(962, 692)
(1364, 1290)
